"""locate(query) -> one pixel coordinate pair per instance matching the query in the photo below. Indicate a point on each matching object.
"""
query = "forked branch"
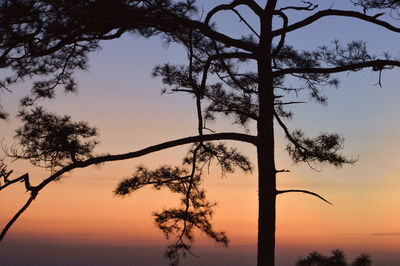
(24, 178)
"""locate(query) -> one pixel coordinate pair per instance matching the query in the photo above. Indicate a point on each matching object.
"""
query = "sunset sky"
(118, 96)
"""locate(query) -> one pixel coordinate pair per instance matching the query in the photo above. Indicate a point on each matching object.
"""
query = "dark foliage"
(53, 38)
(377, 3)
(53, 141)
(336, 259)
(195, 211)
(322, 149)
(227, 158)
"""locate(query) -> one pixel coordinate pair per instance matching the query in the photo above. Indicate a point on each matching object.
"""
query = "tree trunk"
(266, 177)
(265, 144)
(266, 195)
(266, 219)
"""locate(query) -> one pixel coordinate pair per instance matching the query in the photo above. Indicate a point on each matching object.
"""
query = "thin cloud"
(386, 234)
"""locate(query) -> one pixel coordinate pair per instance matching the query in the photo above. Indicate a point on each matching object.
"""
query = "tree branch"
(334, 12)
(310, 6)
(24, 178)
(245, 22)
(228, 41)
(221, 56)
(375, 64)
(287, 133)
(16, 216)
(287, 103)
(109, 158)
(283, 35)
(151, 149)
(303, 191)
(249, 3)
(282, 171)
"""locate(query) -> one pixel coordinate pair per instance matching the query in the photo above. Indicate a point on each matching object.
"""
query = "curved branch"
(303, 191)
(376, 65)
(109, 158)
(334, 12)
(217, 36)
(165, 21)
(283, 35)
(150, 149)
(249, 3)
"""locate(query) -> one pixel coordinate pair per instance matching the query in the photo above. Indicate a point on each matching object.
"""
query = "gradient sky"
(118, 96)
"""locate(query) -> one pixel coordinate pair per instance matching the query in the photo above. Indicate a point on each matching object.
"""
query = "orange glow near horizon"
(82, 209)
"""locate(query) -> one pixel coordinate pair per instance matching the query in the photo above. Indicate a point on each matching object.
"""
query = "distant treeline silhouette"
(336, 259)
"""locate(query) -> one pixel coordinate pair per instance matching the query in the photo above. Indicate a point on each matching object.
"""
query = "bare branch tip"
(305, 192)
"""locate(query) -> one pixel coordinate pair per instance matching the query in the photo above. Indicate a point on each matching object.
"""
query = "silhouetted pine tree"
(53, 38)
